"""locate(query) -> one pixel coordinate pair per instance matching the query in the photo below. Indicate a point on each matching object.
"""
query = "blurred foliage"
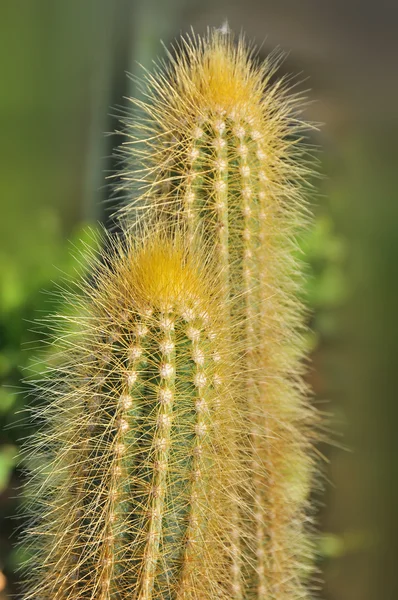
(323, 253)
(31, 279)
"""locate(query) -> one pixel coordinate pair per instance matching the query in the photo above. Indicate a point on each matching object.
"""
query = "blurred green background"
(63, 76)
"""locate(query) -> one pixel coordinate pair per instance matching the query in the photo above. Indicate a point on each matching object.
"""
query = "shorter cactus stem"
(142, 497)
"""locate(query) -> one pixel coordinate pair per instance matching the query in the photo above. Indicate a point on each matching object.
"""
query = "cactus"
(214, 147)
(177, 453)
(136, 457)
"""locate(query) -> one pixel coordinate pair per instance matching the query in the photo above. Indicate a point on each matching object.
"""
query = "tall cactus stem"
(226, 142)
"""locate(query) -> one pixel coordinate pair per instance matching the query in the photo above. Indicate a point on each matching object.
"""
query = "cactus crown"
(211, 89)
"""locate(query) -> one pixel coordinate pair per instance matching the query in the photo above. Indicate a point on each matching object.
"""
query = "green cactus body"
(138, 491)
(218, 153)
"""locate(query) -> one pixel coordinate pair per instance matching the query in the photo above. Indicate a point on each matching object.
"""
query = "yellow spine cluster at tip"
(138, 442)
(215, 148)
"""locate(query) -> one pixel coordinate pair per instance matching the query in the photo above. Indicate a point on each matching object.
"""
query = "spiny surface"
(215, 147)
(136, 481)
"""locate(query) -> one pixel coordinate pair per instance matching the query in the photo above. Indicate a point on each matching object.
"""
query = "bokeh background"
(63, 76)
